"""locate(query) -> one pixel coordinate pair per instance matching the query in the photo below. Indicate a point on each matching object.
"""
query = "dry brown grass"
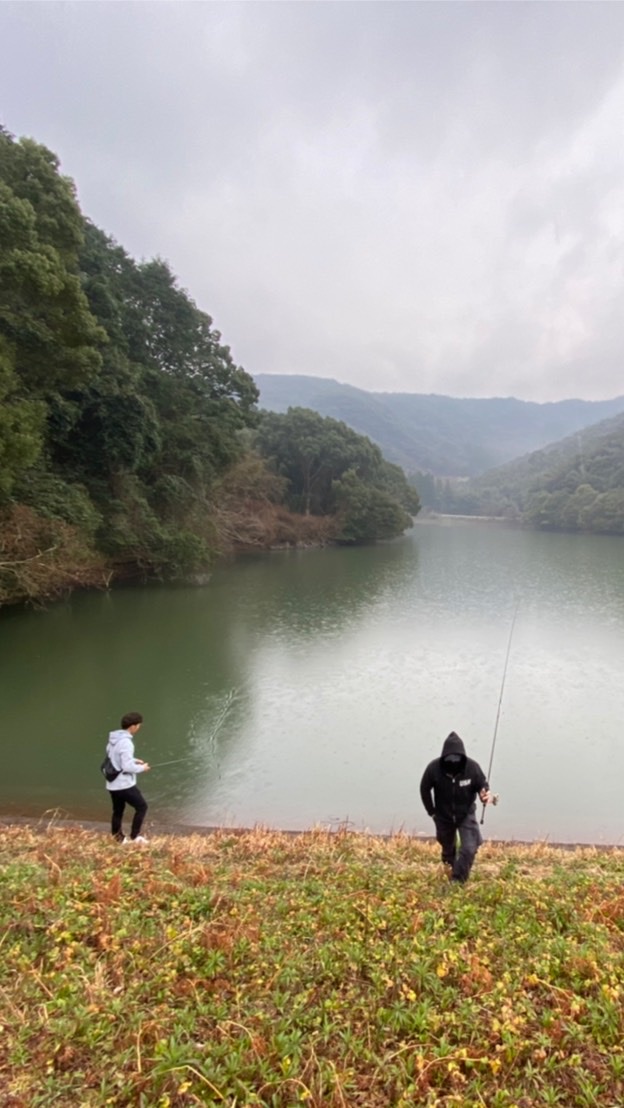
(333, 969)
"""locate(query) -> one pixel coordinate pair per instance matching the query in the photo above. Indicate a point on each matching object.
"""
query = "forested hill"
(131, 446)
(440, 434)
(576, 484)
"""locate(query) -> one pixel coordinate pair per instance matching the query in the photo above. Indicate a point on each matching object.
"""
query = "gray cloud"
(405, 196)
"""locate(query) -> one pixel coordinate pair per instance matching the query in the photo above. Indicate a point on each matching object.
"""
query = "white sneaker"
(140, 839)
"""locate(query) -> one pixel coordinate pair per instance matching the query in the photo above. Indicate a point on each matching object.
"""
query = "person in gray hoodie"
(123, 790)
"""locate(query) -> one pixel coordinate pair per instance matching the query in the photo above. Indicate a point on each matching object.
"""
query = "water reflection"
(312, 687)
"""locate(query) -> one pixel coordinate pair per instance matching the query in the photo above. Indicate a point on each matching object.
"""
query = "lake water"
(310, 688)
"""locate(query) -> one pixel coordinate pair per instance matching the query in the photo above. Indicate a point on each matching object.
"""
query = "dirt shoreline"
(50, 821)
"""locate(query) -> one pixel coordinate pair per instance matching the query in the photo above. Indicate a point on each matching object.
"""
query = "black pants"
(134, 797)
(470, 840)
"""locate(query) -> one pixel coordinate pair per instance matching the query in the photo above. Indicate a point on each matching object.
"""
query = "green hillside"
(446, 436)
(576, 484)
(131, 447)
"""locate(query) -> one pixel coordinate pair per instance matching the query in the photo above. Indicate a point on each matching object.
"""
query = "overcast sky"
(417, 197)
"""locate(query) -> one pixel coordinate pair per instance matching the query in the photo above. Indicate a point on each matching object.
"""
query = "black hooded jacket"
(454, 786)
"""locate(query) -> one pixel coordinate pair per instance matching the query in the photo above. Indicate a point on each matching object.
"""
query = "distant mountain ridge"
(447, 436)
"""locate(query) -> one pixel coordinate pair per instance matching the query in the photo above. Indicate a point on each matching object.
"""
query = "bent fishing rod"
(500, 701)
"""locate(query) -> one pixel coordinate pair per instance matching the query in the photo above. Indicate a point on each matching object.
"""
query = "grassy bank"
(328, 970)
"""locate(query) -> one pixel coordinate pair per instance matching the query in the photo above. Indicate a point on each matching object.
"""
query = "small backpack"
(108, 769)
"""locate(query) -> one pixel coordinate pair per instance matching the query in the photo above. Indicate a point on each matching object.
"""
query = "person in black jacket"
(449, 788)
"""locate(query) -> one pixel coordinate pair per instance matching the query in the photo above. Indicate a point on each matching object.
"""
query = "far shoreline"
(443, 517)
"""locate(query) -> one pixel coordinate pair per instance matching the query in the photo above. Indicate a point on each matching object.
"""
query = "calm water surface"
(311, 688)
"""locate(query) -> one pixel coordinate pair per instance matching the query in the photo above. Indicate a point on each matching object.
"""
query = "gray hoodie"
(120, 749)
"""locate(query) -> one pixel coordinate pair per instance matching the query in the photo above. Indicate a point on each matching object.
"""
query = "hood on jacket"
(454, 746)
(115, 737)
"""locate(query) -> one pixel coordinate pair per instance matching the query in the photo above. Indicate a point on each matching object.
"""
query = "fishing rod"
(173, 762)
(498, 710)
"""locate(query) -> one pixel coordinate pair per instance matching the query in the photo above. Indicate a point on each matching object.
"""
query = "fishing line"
(500, 700)
(231, 697)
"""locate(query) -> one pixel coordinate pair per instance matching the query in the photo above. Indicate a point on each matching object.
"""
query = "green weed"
(333, 970)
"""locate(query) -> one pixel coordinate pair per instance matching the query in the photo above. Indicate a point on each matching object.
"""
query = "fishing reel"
(494, 798)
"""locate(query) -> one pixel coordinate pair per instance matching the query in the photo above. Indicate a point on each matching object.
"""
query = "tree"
(119, 399)
(425, 485)
(164, 418)
(44, 314)
(606, 512)
(367, 513)
(577, 508)
(312, 452)
(332, 469)
(165, 351)
(392, 479)
(48, 337)
(21, 424)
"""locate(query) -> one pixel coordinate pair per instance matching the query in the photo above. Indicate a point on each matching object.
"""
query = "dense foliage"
(331, 970)
(330, 469)
(124, 421)
(576, 485)
(48, 337)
